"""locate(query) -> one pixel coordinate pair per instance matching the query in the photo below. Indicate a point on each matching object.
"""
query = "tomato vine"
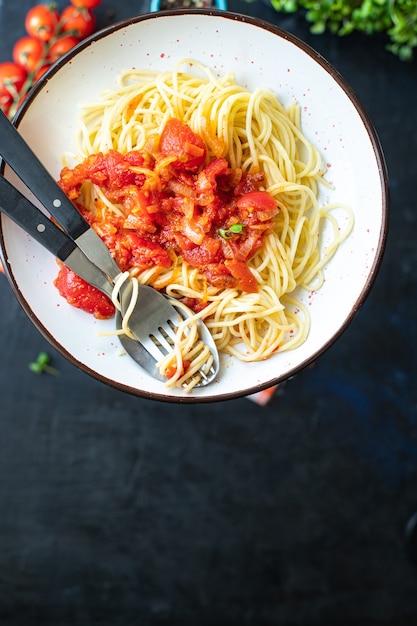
(50, 34)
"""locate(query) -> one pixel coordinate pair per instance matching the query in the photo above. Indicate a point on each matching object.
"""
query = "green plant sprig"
(42, 365)
(397, 19)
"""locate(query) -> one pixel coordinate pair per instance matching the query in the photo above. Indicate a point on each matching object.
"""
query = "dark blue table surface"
(120, 511)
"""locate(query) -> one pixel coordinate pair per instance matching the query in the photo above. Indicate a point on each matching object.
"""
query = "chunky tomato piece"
(245, 249)
(177, 139)
(172, 369)
(132, 250)
(194, 304)
(119, 169)
(207, 178)
(111, 171)
(201, 256)
(257, 201)
(257, 210)
(218, 275)
(243, 275)
(80, 294)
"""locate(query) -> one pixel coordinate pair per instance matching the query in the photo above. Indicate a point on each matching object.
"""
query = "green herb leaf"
(235, 229)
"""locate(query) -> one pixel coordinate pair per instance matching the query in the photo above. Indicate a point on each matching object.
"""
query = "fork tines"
(164, 342)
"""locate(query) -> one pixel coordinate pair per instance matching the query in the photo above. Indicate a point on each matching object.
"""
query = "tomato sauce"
(174, 202)
(82, 295)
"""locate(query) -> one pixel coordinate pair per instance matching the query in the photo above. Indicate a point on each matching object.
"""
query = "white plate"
(260, 55)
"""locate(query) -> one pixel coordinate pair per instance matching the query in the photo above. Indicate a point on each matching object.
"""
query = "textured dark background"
(117, 511)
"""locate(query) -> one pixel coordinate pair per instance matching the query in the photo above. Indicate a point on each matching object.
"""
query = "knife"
(23, 161)
(16, 206)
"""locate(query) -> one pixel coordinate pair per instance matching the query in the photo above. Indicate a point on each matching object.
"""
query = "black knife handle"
(33, 221)
(20, 157)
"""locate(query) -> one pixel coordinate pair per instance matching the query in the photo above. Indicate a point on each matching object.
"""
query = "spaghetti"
(264, 148)
(192, 359)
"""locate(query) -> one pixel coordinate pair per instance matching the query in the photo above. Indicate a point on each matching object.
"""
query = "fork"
(156, 333)
(154, 320)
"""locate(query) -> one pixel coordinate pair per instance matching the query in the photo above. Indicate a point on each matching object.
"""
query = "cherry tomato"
(87, 4)
(12, 78)
(40, 72)
(77, 21)
(42, 21)
(29, 52)
(6, 102)
(61, 46)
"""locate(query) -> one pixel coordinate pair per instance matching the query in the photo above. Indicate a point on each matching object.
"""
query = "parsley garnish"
(235, 229)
